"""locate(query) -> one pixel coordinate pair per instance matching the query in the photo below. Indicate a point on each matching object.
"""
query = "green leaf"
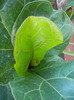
(33, 39)
(69, 53)
(6, 56)
(54, 80)
(10, 12)
(5, 93)
(69, 4)
(42, 8)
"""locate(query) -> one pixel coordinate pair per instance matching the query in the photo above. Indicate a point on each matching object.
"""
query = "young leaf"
(54, 80)
(33, 39)
(44, 8)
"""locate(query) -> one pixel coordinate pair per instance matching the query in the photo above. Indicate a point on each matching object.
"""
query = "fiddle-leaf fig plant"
(32, 35)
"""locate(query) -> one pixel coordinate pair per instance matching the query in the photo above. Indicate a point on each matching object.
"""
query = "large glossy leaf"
(42, 8)
(51, 80)
(6, 56)
(5, 93)
(33, 39)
